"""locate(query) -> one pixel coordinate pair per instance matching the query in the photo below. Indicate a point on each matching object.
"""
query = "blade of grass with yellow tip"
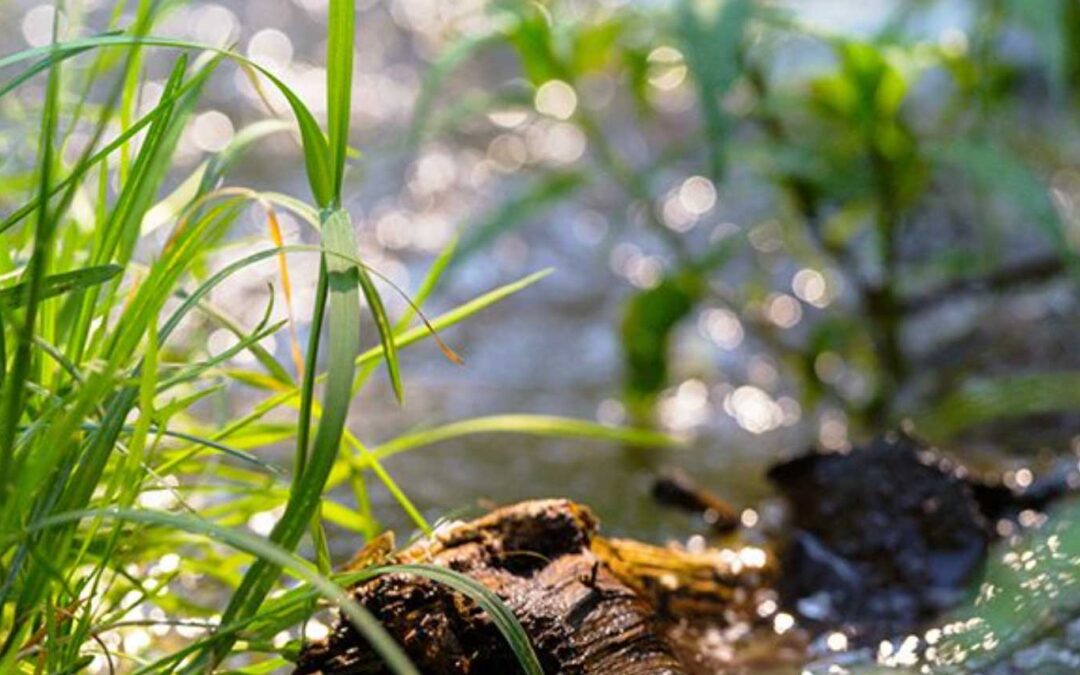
(338, 292)
(343, 318)
(286, 287)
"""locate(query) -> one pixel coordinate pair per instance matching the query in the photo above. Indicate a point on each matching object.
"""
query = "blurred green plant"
(855, 153)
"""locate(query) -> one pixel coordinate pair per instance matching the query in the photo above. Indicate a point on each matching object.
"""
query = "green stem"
(881, 301)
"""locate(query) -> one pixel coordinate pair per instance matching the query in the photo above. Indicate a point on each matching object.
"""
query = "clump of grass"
(114, 498)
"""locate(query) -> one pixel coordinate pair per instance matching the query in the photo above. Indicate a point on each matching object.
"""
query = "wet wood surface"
(591, 605)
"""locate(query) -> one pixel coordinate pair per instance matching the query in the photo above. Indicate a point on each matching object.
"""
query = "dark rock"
(885, 537)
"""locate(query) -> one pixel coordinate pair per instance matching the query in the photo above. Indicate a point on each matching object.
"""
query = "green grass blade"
(1000, 172)
(316, 150)
(427, 286)
(533, 425)
(713, 52)
(339, 71)
(547, 190)
(164, 107)
(307, 385)
(367, 359)
(343, 317)
(264, 551)
(295, 605)
(386, 333)
(388, 481)
(246, 342)
(987, 400)
(241, 455)
(249, 339)
(12, 396)
(244, 139)
(43, 65)
(58, 284)
(437, 74)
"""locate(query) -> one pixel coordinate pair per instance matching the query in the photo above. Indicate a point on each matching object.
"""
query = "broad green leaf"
(648, 321)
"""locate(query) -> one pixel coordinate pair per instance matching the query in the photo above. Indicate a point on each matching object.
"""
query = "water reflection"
(1030, 586)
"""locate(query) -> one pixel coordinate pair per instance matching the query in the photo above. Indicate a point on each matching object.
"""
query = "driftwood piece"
(590, 605)
(678, 490)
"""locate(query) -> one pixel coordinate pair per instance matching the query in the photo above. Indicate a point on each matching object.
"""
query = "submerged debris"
(678, 490)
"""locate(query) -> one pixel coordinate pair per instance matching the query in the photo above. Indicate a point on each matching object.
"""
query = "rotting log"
(590, 605)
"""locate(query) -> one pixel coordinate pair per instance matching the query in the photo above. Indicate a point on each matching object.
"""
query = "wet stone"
(883, 538)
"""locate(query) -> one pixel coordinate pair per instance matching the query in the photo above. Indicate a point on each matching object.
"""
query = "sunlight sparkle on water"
(783, 622)
(810, 287)
(557, 99)
(667, 68)
(37, 25)
(271, 47)
(212, 130)
(754, 409)
(686, 408)
(214, 24)
(722, 326)
(783, 310)
(749, 518)
(837, 642)
(557, 143)
(697, 195)
(508, 118)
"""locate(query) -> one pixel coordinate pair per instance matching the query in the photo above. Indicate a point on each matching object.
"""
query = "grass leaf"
(339, 71)
(266, 552)
(982, 401)
(534, 425)
(386, 333)
(343, 317)
(58, 284)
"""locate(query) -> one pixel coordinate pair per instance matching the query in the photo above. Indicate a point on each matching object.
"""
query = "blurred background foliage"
(881, 179)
